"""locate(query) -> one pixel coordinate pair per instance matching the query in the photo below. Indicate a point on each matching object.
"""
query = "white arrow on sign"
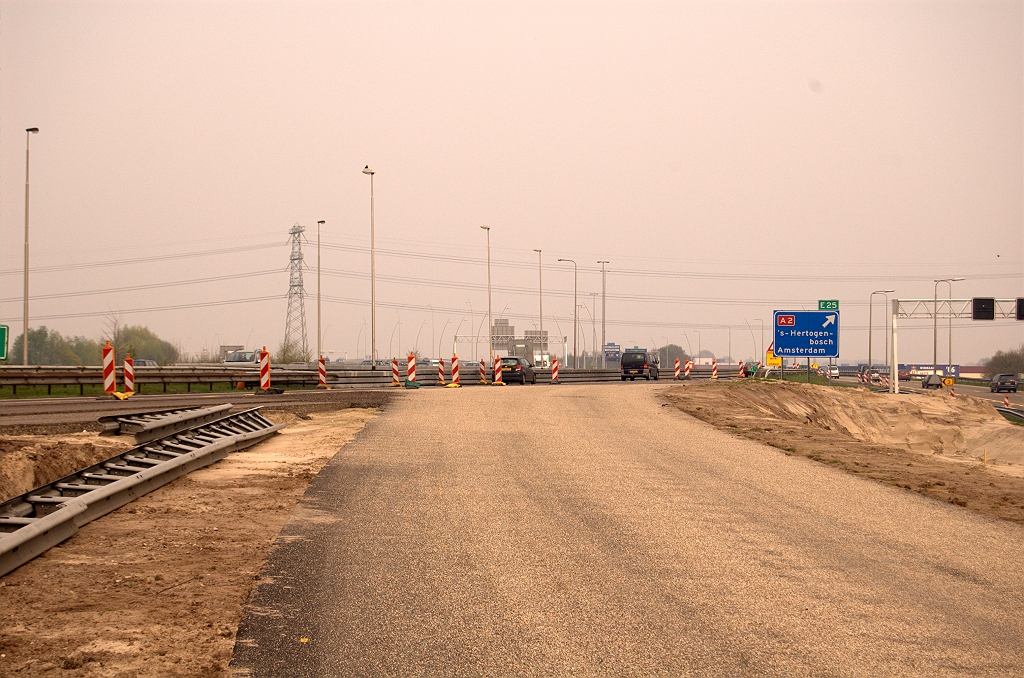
(828, 320)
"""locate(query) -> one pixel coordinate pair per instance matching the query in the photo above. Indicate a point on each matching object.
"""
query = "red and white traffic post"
(714, 368)
(129, 374)
(395, 377)
(440, 371)
(455, 373)
(321, 371)
(497, 371)
(686, 368)
(109, 374)
(1006, 401)
(264, 369)
(410, 370)
(741, 372)
(483, 371)
(677, 368)
(554, 370)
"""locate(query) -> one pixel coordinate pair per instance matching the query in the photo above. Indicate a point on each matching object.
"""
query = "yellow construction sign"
(770, 360)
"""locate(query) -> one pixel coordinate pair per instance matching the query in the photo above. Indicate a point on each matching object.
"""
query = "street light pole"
(319, 335)
(871, 326)
(373, 282)
(24, 337)
(575, 314)
(730, 342)
(698, 346)
(540, 300)
(935, 320)
(490, 318)
(604, 312)
(763, 354)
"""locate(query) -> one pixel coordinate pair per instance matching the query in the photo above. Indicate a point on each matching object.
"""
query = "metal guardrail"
(44, 517)
(1010, 412)
(208, 375)
(147, 426)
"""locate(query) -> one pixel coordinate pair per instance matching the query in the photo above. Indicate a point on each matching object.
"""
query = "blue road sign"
(807, 334)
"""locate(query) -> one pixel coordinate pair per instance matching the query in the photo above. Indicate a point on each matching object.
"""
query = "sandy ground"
(30, 461)
(157, 587)
(931, 443)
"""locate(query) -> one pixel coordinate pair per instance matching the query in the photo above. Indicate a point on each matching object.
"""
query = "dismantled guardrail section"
(147, 426)
(44, 517)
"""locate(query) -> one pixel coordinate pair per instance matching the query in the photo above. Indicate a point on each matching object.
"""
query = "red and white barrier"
(109, 375)
(497, 371)
(396, 378)
(554, 371)
(952, 391)
(410, 370)
(455, 372)
(714, 369)
(1006, 401)
(687, 368)
(677, 368)
(741, 372)
(440, 371)
(129, 374)
(321, 373)
(483, 371)
(264, 369)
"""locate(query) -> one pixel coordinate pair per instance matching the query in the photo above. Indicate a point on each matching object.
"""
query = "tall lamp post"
(490, 319)
(871, 326)
(935, 319)
(319, 334)
(697, 332)
(24, 337)
(540, 301)
(604, 312)
(763, 354)
(575, 314)
(373, 282)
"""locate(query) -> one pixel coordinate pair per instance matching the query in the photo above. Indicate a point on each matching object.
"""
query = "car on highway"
(517, 369)
(143, 362)
(638, 362)
(1003, 382)
(931, 381)
(833, 371)
(250, 357)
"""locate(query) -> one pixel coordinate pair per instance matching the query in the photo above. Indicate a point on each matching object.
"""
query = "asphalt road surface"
(557, 530)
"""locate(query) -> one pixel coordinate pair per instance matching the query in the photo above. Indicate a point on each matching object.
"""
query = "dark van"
(639, 362)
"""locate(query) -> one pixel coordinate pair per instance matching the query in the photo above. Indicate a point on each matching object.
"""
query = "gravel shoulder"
(929, 444)
(156, 588)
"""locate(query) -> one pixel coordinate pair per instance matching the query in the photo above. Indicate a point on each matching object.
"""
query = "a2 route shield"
(807, 334)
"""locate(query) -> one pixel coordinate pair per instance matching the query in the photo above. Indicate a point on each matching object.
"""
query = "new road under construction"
(697, 523)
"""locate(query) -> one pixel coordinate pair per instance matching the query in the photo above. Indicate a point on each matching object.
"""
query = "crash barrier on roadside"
(109, 375)
(677, 368)
(264, 369)
(455, 373)
(321, 373)
(497, 371)
(714, 369)
(396, 379)
(194, 377)
(554, 371)
(46, 516)
(129, 374)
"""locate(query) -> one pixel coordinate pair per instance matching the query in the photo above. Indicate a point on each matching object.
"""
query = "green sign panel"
(828, 305)
(3, 341)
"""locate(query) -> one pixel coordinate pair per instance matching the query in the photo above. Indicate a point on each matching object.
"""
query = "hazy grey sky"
(727, 158)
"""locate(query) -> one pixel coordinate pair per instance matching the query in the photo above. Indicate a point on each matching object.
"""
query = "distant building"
(501, 334)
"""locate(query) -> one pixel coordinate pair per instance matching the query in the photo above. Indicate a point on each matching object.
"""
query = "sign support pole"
(895, 365)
